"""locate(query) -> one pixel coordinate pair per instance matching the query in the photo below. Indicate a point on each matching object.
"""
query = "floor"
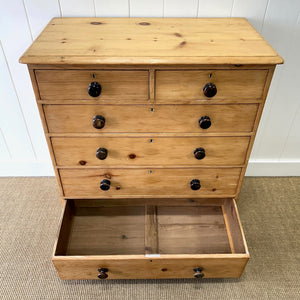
(30, 211)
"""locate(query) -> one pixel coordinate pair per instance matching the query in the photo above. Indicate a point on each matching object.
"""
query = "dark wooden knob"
(102, 273)
(94, 89)
(105, 185)
(198, 272)
(195, 184)
(98, 121)
(199, 153)
(204, 122)
(101, 153)
(210, 90)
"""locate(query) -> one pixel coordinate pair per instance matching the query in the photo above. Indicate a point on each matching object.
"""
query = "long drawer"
(189, 239)
(145, 182)
(153, 150)
(234, 85)
(154, 118)
(119, 86)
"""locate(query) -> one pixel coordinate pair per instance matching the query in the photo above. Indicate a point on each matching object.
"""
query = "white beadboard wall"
(23, 150)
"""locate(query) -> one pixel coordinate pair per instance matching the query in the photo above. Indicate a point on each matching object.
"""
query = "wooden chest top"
(123, 41)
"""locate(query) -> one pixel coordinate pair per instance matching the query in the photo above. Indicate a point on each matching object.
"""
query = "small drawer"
(149, 151)
(227, 85)
(114, 86)
(150, 118)
(142, 182)
(199, 240)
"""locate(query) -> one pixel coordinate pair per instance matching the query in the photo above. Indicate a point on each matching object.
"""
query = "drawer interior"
(200, 226)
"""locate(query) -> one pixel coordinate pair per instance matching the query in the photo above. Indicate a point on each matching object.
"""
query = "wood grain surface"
(150, 41)
(170, 183)
(192, 230)
(107, 231)
(122, 86)
(150, 118)
(141, 151)
(188, 84)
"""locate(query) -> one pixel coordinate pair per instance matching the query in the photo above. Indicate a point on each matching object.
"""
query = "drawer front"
(117, 151)
(214, 266)
(236, 85)
(117, 85)
(173, 183)
(157, 118)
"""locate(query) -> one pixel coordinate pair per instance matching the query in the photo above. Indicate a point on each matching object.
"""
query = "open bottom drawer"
(147, 239)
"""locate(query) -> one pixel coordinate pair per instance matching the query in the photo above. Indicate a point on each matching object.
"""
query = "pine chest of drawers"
(150, 124)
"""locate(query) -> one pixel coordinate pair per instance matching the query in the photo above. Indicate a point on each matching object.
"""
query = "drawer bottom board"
(150, 241)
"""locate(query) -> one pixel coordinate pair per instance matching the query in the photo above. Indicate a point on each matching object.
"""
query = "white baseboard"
(255, 168)
(273, 168)
(27, 168)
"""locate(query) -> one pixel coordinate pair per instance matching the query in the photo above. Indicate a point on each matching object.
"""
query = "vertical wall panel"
(278, 29)
(11, 120)
(78, 8)
(40, 13)
(16, 38)
(145, 8)
(4, 152)
(179, 8)
(215, 8)
(253, 10)
(291, 150)
(112, 8)
(292, 145)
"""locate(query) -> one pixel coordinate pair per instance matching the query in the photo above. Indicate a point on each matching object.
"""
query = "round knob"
(101, 153)
(204, 122)
(198, 272)
(98, 122)
(199, 153)
(102, 273)
(94, 89)
(105, 185)
(209, 90)
(195, 184)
